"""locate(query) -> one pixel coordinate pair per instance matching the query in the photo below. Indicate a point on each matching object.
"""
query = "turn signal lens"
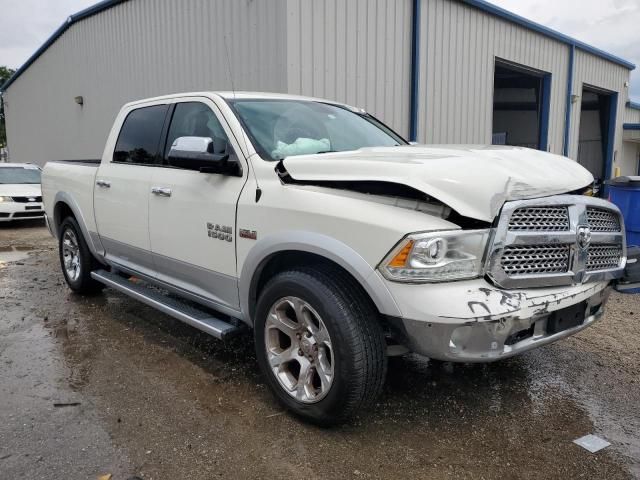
(400, 260)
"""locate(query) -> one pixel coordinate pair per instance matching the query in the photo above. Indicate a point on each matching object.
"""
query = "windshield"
(19, 175)
(285, 128)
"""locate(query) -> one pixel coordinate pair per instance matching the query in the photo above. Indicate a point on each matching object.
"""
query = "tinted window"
(140, 135)
(194, 119)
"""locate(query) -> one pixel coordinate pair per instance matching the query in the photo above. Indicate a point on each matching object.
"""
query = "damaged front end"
(490, 324)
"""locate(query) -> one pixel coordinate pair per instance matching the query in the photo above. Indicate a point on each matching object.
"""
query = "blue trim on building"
(631, 126)
(76, 17)
(415, 71)
(633, 105)
(545, 108)
(536, 27)
(568, 105)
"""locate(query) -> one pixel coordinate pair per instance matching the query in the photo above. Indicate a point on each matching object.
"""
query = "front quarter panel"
(353, 232)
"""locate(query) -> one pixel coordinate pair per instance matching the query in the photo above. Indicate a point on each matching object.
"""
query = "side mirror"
(197, 153)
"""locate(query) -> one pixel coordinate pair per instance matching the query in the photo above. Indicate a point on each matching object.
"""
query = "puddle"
(13, 254)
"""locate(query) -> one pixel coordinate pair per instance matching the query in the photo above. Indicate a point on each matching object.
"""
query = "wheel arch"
(65, 205)
(287, 249)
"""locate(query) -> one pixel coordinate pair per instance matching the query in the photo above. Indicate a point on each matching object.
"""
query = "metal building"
(437, 71)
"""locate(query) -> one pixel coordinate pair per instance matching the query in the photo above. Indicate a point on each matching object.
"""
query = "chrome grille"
(559, 240)
(603, 257)
(538, 259)
(601, 220)
(540, 218)
(26, 199)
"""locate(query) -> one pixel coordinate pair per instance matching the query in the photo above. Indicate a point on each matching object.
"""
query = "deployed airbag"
(302, 146)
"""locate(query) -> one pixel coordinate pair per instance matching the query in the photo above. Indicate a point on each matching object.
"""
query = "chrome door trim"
(198, 280)
(207, 302)
(127, 255)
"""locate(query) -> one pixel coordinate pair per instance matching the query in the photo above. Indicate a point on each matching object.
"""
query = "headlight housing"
(437, 257)
(6, 199)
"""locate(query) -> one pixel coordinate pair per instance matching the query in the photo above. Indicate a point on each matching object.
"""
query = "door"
(596, 133)
(192, 215)
(121, 193)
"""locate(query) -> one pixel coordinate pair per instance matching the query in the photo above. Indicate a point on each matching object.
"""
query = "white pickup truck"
(335, 240)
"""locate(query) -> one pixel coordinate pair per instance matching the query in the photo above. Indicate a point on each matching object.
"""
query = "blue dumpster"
(625, 193)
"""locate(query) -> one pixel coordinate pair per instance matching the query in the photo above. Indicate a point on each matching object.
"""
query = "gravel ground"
(103, 384)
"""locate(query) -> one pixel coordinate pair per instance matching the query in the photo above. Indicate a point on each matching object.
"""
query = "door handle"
(161, 191)
(103, 183)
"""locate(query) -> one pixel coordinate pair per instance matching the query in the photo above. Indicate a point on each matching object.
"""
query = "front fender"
(321, 245)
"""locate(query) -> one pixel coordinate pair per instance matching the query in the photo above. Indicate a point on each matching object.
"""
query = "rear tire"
(75, 258)
(317, 323)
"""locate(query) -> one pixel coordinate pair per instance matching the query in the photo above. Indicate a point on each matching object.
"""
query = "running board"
(175, 308)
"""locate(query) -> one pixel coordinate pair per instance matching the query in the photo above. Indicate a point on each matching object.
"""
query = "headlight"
(437, 257)
(6, 199)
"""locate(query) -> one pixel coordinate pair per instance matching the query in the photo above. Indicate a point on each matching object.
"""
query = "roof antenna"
(229, 72)
(244, 140)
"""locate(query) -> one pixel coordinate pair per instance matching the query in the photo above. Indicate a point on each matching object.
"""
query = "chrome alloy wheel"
(299, 349)
(71, 255)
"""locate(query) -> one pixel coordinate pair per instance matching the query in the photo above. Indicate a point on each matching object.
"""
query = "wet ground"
(97, 385)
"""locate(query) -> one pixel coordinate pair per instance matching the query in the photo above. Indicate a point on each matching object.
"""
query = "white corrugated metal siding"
(353, 51)
(597, 72)
(459, 46)
(631, 115)
(139, 49)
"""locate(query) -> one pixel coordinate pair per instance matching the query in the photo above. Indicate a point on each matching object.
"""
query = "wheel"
(319, 344)
(76, 259)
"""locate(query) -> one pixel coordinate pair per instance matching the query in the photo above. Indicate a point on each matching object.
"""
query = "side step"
(175, 308)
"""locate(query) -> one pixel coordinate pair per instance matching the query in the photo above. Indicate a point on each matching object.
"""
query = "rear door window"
(139, 139)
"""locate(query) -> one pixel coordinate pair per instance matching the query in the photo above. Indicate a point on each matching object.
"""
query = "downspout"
(415, 71)
(567, 114)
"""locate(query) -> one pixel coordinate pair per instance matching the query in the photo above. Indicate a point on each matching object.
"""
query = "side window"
(139, 138)
(195, 119)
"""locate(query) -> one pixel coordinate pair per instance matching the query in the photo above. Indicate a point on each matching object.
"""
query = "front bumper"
(10, 211)
(473, 321)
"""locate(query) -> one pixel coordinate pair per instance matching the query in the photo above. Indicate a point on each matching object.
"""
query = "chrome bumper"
(494, 337)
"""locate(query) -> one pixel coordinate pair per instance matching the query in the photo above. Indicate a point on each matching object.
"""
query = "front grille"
(28, 214)
(26, 199)
(538, 259)
(603, 257)
(553, 219)
(601, 220)
(536, 242)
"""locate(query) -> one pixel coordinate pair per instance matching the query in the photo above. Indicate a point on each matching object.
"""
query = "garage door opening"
(520, 106)
(597, 123)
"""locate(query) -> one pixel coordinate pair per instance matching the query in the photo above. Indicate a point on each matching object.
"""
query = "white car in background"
(20, 193)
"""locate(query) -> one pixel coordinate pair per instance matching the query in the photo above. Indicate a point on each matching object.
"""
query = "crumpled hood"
(473, 180)
(20, 190)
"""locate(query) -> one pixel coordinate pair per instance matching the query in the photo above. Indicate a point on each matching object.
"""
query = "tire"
(355, 354)
(78, 278)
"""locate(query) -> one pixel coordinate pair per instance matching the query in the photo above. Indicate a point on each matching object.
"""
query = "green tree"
(5, 74)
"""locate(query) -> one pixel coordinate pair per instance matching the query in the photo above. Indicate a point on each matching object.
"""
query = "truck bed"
(72, 180)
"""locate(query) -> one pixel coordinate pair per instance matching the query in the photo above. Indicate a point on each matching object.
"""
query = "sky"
(611, 25)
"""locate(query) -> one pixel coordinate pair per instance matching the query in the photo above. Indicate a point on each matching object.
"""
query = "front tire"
(319, 344)
(76, 259)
